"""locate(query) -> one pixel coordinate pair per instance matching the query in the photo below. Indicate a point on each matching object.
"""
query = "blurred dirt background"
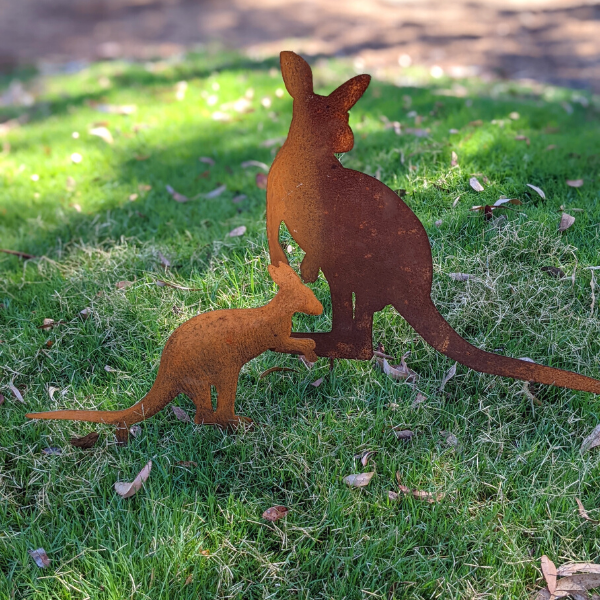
(554, 41)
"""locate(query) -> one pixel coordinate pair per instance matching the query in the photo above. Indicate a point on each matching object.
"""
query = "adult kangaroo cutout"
(371, 247)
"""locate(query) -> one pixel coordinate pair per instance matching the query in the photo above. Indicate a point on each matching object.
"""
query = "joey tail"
(438, 333)
(154, 401)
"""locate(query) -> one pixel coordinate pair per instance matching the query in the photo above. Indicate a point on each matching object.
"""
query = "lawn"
(510, 475)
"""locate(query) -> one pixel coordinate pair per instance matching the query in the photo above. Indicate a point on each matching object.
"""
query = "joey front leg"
(304, 346)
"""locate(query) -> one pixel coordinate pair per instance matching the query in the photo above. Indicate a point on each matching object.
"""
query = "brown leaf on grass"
(255, 163)
(571, 585)
(161, 283)
(554, 271)
(404, 434)
(48, 324)
(565, 222)
(133, 197)
(418, 494)
(181, 414)
(522, 138)
(19, 254)
(448, 376)
(122, 285)
(135, 430)
(474, 183)
(574, 182)
(126, 490)
(1, 399)
(52, 390)
(476, 123)
(237, 232)
(502, 201)
(144, 187)
(438, 223)
(216, 192)
(87, 441)
(275, 370)
(461, 276)
(16, 392)
(275, 513)
(549, 573)
(584, 514)
(40, 558)
(592, 440)
(398, 372)
(261, 181)
(305, 361)
(451, 439)
(164, 261)
(454, 160)
(176, 195)
(238, 198)
(419, 400)
(53, 451)
(318, 382)
(537, 189)
(572, 568)
(366, 456)
(102, 133)
(359, 479)
(207, 160)
(85, 313)
(189, 579)
(186, 463)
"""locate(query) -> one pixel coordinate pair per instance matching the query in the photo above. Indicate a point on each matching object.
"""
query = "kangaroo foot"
(226, 421)
(339, 345)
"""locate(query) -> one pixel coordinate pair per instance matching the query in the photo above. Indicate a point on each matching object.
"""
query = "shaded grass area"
(510, 485)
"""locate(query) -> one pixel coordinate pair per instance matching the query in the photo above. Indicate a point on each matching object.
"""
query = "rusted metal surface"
(209, 350)
(371, 247)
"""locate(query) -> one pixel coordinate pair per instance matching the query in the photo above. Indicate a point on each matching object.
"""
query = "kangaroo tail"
(154, 401)
(429, 323)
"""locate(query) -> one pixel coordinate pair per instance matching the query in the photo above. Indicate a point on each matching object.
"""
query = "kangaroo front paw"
(309, 270)
(308, 349)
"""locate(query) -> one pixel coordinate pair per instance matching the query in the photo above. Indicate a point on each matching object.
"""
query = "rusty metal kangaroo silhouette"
(210, 349)
(371, 247)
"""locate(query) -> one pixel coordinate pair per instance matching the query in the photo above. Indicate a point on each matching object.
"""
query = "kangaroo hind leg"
(225, 414)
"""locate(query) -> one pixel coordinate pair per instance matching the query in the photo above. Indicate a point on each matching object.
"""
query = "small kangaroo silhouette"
(210, 350)
(371, 247)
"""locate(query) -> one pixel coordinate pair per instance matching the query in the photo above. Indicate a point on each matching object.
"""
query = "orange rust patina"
(371, 247)
(209, 350)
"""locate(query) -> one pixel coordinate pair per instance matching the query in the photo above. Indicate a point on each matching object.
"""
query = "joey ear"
(349, 93)
(297, 74)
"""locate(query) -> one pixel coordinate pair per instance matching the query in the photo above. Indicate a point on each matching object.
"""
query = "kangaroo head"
(303, 298)
(323, 116)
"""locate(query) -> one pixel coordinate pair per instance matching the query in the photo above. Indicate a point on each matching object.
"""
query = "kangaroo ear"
(283, 274)
(348, 94)
(297, 75)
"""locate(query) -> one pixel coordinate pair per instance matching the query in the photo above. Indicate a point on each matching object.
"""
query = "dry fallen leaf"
(238, 231)
(53, 451)
(522, 138)
(1, 399)
(190, 577)
(451, 439)
(126, 490)
(275, 370)
(40, 558)
(51, 391)
(461, 276)
(87, 441)
(584, 514)
(317, 383)
(474, 182)
(255, 163)
(135, 430)
(537, 189)
(592, 440)
(122, 285)
(554, 271)
(207, 160)
(238, 198)
(110, 369)
(418, 494)
(549, 573)
(404, 434)
(144, 187)
(572, 568)
(16, 392)
(448, 376)
(419, 400)
(261, 181)
(181, 414)
(164, 261)
(359, 479)
(176, 195)
(570, 586)
(275, 513)
(574, 182)
(186, 463)
(85, 313)
(365, 457)
(47, 324)
(103, 133)
(565, 222)
(216, 192)
(454, 160)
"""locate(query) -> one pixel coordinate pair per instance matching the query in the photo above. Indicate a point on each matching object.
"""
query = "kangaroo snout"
(312, 306)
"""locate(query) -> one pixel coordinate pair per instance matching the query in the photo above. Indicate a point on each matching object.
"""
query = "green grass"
(509, 487)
